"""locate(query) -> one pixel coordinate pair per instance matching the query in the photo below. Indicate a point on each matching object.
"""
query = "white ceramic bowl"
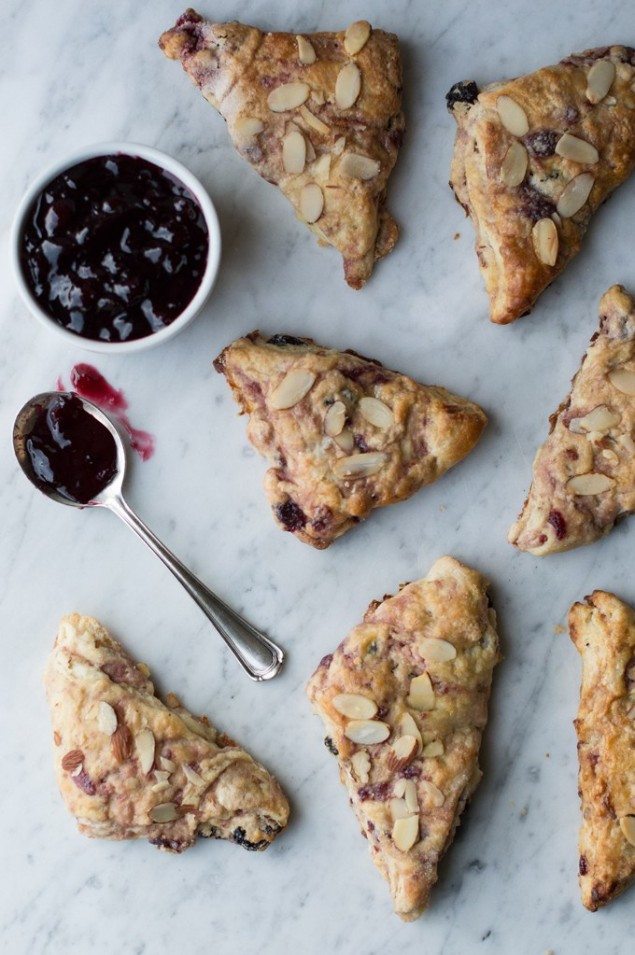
(213, 257)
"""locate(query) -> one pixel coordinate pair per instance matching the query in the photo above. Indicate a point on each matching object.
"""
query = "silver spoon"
(258, 655)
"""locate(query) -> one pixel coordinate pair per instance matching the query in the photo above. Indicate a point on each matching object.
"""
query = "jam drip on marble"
(114, 248)
(69, 451)
(89, 383)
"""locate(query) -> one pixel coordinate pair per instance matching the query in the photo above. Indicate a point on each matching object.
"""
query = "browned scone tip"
(130, 766)
(404, 703)
(344, 434)
(318, 115)
(603, 630)
(534, 158)
(583, 478)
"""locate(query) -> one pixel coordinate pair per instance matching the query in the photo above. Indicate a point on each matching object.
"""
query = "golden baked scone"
(603, 630)
(345, 434)
(534, 158)
(132, 767)
(318, 115)
(584, 473)
(404, 703)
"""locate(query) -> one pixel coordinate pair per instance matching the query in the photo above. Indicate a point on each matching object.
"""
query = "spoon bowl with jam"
(72, 452)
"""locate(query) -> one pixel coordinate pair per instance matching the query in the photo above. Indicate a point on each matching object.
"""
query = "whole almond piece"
(376, 412)
(72, 760)
(585, 485)
(579, 150)
(295, 385)
(145, 745)
(515, 164)
(359, 465)
(106, 718)
(354, 706)
(512, 116)
(288, 96)
(356, 36)
(410, 795)
(599, 80)
(348, 86)
(421, 696)
(306, 53)
(293, 153)
(121, 743)
(367, 732)
(335, 419)
(402, 752)
(544, 236)
(356, 166)
(311, 202)
(575, 194)
(405, 833)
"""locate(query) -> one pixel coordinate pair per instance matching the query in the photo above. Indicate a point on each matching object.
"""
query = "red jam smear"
(114, 248)
(69, 450)
(88, 382)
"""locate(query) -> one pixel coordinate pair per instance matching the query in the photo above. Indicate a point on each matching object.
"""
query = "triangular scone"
(404, 703)
(318, 115)
(534, 158)
(132, 767)
(345, 434)
(584, 473)
(603, 630)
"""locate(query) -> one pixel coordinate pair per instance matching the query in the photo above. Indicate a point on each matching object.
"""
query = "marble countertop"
(78, 72)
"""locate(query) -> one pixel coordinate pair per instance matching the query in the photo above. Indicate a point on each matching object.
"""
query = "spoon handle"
(258, 655)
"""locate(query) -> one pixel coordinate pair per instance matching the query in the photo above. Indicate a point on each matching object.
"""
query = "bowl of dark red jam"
(117, 248)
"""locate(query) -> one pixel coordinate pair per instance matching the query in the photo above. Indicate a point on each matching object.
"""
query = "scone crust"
(603, 630)
(432, 430)
(217, 789)
(554, 518)
(237, 66)
(555, 102)
(378, 660)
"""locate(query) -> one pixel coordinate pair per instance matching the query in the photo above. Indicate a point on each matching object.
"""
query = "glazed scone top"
(603, 630)
(130, 766)
(417, 673)
(345, 434)
(319, 115)
(534, 158)
(584, 473)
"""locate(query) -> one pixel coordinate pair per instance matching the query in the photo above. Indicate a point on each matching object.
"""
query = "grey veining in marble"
(74, 72)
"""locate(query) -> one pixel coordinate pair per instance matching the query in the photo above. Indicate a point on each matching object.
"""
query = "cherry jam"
(114, 248)
(68, 450)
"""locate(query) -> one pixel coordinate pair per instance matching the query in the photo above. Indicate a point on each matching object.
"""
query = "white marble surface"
(78, 72)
